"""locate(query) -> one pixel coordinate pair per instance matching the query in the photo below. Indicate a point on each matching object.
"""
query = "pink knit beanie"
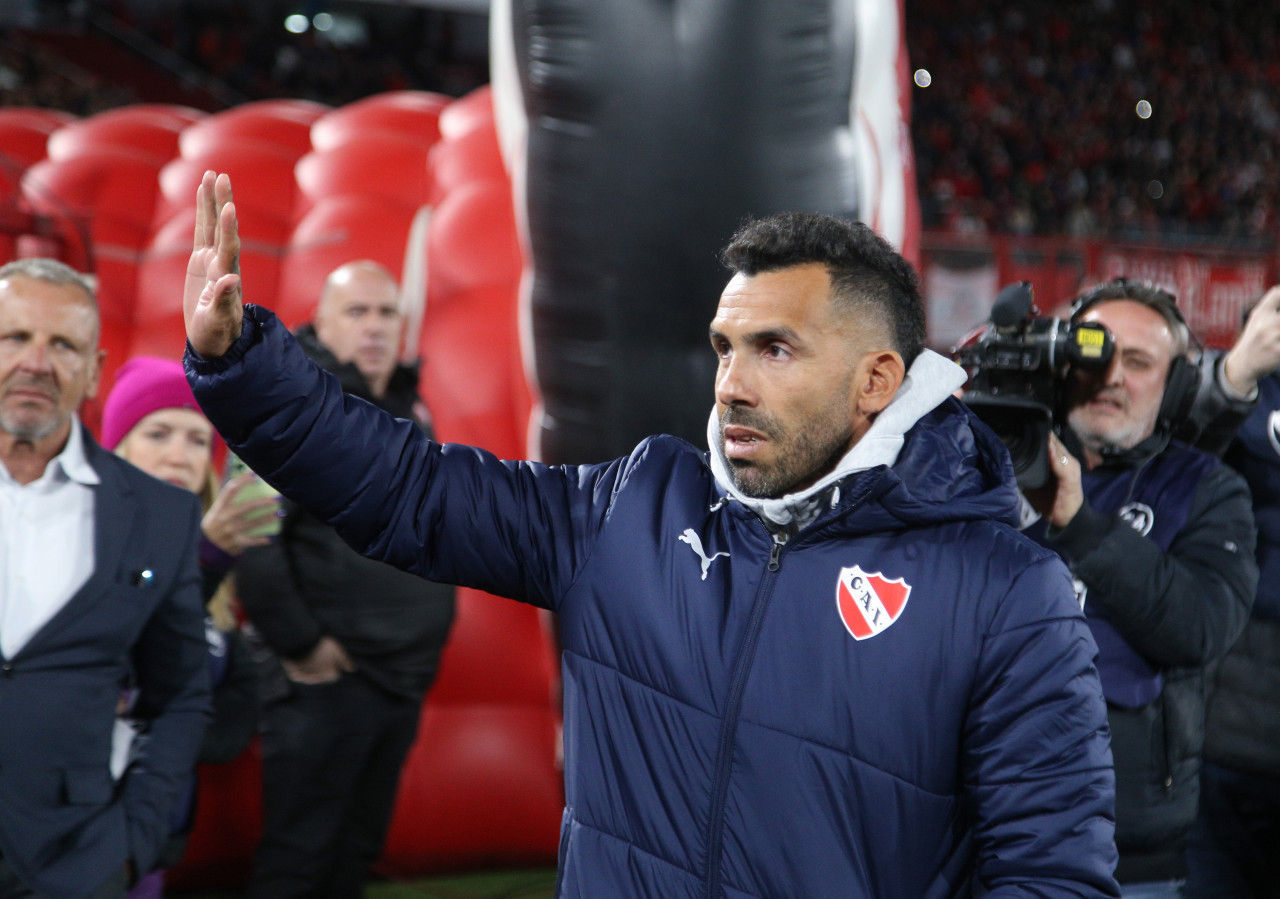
(143, 385)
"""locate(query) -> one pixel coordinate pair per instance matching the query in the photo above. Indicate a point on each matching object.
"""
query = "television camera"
(1017, 364)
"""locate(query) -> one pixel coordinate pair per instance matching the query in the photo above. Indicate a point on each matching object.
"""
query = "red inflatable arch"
(383, 165)
(281, 123)
(261, 174)
(473, 156)
(413, 115)
(337, 230)
(472, 241)
(24, 133)
(149, 130)
(471, 111)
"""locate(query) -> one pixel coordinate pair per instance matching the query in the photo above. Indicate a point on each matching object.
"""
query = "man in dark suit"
(99, 594)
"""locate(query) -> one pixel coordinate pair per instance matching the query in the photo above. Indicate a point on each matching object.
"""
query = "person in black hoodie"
(1231, 848)
(347, 646)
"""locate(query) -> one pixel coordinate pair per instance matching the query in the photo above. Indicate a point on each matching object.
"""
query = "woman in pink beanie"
(152, 420)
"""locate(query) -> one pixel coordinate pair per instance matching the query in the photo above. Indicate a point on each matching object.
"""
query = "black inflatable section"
(655, 128)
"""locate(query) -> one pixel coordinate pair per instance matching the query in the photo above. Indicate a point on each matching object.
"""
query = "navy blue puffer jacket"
(744, 719)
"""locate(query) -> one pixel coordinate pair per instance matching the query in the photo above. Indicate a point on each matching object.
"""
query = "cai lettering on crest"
(868, 601)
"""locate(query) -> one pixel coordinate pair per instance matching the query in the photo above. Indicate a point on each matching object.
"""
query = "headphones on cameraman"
(1182, 382)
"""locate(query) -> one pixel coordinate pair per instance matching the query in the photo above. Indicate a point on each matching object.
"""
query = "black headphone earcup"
(1180, 388)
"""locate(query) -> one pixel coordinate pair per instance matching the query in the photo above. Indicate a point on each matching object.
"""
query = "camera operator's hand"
(1257, 350)
(1059, 500)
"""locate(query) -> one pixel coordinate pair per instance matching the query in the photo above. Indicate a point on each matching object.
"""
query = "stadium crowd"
(247, 49)
(1031, 123)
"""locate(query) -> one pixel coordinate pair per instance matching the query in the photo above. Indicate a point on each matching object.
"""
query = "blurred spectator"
(98, 587)
(353, 644)
(152, 420)
(1231, 851)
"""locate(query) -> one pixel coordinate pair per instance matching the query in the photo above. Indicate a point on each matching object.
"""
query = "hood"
(944, 464)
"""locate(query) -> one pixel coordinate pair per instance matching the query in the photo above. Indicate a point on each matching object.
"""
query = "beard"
(1115, 439)
(26, 425)
(801, 454)
(26, 430)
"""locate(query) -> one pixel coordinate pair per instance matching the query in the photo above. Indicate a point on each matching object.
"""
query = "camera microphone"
(1013, 305)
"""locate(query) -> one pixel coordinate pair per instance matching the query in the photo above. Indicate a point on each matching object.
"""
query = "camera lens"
(1025, 432)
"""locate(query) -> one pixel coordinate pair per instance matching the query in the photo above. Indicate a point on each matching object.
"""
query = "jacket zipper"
(728, 731)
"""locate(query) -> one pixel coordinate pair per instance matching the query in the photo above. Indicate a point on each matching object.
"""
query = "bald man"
(358, 320)
(351, 645)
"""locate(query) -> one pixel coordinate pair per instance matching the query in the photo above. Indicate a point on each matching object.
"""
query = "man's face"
(1117, 409)
(359, 321)
(49, 359)
(785, 389)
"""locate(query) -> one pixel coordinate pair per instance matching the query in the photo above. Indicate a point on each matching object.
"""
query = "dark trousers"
(331, 759)
(12, 888)
(1232, 851)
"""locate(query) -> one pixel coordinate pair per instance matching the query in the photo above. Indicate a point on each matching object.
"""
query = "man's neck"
(26, 460)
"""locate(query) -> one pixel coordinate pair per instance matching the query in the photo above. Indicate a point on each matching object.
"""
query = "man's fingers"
(222, 190)
(197, 241)
(222, 293)
(1271, 300)
(228, 239)
(1059, 458)
(206, 212)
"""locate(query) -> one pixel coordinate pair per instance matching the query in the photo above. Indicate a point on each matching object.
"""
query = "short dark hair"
(867, 274)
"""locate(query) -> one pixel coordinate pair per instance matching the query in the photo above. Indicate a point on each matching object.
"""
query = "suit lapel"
(115, 516)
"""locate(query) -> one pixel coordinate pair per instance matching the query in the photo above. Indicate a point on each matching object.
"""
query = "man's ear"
(95, 373)
(880, 374)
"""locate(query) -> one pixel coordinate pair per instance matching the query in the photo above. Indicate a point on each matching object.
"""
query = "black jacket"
(1179, 609)
(1244, 694)
(308, 583)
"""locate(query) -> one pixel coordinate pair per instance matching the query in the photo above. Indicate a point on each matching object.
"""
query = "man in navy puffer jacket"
(818, 661)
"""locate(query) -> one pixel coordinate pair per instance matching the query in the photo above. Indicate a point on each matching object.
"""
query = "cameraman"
(1160, 540)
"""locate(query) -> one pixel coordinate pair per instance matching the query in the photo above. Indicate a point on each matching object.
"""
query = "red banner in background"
(1213, 285)
(1212, 293)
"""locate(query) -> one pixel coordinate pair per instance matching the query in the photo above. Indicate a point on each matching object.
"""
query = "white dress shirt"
(46, 542)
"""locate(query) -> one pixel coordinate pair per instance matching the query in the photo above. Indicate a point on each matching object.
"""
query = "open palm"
(211, 301)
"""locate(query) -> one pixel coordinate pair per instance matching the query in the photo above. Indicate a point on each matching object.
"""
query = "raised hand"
(211, 300)
(1256, 352)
